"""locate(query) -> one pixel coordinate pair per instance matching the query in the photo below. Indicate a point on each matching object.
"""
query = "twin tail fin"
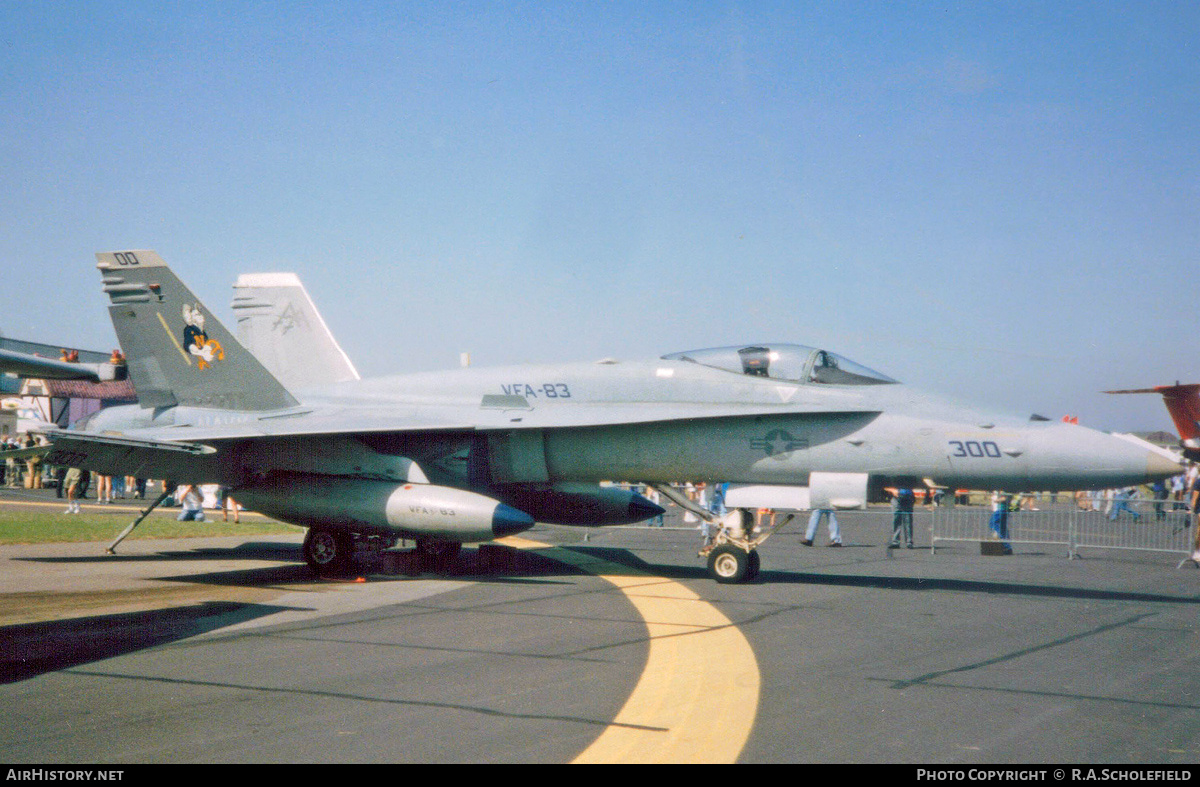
(177, 351)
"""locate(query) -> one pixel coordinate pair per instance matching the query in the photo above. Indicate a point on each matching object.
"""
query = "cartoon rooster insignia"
(196, 341)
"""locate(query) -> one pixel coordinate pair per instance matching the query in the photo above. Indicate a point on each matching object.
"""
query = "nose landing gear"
(730, 564)
(733, 551)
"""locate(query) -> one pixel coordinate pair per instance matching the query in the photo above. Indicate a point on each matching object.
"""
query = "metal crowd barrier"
(1135, 524)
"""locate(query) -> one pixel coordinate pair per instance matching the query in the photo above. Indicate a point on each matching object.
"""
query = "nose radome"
(1160, 466)
(1159, 462)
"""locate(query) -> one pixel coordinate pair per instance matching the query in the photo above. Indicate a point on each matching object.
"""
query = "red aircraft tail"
(1183, 403)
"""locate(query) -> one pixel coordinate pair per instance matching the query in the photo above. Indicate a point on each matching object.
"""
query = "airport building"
(63, 402)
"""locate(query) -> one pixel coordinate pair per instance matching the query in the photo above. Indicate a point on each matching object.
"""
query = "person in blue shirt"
(1121, 500)
(902, 517)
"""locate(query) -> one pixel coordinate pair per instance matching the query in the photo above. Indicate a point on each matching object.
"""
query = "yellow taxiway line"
(698, 695)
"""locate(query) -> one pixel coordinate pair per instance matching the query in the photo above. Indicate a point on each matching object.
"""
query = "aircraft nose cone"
(507, 520)
(1160, 466)
(1076, 457)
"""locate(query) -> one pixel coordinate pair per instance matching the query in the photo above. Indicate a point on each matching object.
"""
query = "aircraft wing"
(24, 453)
(225, 453)
(429, 418)
(120, 455)
(29, 365)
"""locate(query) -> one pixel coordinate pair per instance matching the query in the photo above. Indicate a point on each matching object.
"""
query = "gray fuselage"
(664, 421)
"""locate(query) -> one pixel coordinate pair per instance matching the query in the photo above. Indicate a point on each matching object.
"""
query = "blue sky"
(995, 201)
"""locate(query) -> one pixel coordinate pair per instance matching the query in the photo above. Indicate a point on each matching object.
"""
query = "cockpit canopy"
(793, 363)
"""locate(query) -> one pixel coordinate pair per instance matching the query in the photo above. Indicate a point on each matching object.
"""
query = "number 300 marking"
(975, 449)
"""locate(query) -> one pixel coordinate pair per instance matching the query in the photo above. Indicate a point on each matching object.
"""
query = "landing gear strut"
(733, 551)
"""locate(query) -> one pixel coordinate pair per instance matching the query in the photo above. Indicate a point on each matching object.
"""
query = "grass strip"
(47, 523)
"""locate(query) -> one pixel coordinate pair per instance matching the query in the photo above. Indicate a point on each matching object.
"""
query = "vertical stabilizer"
(1183, 403)
(177, 351)
(280, 324)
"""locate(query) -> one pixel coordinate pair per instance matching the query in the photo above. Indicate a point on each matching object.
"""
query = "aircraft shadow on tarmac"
(31, 649)
(504, 564)
(250, 550)
(496, 564)
(925, 584)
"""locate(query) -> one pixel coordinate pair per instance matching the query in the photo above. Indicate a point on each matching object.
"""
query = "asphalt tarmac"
(617, 648)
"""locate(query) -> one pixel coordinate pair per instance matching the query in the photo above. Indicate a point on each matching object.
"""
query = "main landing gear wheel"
(730, 565)
(328, 552)
(438, 554)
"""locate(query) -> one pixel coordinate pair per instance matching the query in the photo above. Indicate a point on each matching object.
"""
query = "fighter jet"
(469, 455)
